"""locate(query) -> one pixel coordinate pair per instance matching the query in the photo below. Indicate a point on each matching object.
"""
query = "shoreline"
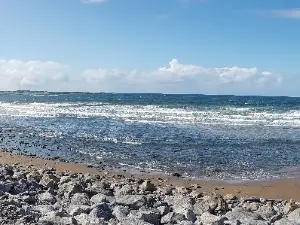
(285, 189)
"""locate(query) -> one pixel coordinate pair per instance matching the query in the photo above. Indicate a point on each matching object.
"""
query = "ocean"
(198, 136)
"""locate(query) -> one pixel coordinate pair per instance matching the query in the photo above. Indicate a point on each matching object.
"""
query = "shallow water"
(223, 137)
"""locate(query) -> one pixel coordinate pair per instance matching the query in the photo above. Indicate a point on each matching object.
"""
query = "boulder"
(132, 201)
(80, 199)
(147, 186)
(46, 198)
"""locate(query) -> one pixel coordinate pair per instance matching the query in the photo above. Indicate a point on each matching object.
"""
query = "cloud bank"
(174, 78)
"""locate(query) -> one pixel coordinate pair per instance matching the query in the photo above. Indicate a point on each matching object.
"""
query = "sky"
(240, 47)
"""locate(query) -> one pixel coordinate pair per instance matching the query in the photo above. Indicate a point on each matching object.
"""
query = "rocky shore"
(33, 195)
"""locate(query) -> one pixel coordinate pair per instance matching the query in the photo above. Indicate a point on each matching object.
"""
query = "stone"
(209, 204)
(43, 209)
(120, 212)
(147, 186)
(100, 187)
(285, 221)
(85, 219)
(34, 175)
(189, 215)
(127, 189)
(172, 218)
(266, 211)
(243, 216)
(289, 207)
(132, 201)
(101, 211)
(150, 216)
(210, 219)
(57, 220)
(163, 210)
(70, 188)
(75, 210)
(294, 216)
(80, 199)
(99, 198)
(49, 180)
(46, 198)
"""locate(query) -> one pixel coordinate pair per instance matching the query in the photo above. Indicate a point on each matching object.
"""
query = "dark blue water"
(226, 137)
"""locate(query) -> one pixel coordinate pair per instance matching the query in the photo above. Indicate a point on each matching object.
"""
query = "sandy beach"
(275, 189)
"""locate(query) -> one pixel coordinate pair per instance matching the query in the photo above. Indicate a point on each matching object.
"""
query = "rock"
(179, 203)
(230, 197)
(150, 216)
(243, 216)
(69, 188)
(210, 219)
(285, 221)
(125, 190)
(189, 215)
(120, 212)
(46, 198)
(34, 175)
(101, 211)
(100, 187)
(294, 216)
(172, 218)
(43, 209)
(80, 199)
(210, 204)
(84, 219)
(79, 209)
(64, 179)
(147, 186)
(266, 211)
(289, 207)
(132, 201)
(57, 220)
(49, 180)
(99, 198)
(163, 210)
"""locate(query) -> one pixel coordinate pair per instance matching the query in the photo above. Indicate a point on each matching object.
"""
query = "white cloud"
(293, 13)
(17, 74)
(180, 78)
(175, 78)
(288, 13)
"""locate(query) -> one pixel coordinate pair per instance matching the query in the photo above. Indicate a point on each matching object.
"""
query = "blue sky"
(170, 46)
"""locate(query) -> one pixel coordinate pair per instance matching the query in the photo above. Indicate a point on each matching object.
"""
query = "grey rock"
(99, 198)
(80, 199)
(243, 216)
(120, 212)
(70, 188)
(132, 201)
(172, 218)
(57, 220)
(266, 211)
(210, 204)
(47, 198)
(294, 216)
(189, 215)
(163, 210)
(101, 211)
(210, 219)
(147, 186)
(43, 209)
(285, 221)
(85, 219)
(150, 216)
(126, 189)
(75, 210)
(49, 180)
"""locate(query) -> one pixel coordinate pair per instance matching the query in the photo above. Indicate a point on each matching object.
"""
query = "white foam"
(235, 116)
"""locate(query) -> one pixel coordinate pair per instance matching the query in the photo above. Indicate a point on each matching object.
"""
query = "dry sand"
(273, 189)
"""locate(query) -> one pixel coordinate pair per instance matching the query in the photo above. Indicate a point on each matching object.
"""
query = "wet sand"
(273, 189)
